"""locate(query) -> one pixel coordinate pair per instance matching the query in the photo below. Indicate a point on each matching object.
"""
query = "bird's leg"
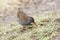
(33, 24)
(22, 28)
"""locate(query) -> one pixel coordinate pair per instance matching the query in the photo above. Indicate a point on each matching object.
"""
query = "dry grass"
(44, 30)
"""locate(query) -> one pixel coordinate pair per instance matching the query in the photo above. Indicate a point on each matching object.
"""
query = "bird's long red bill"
(33, 24)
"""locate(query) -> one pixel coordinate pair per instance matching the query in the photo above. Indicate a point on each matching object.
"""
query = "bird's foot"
(22, 29)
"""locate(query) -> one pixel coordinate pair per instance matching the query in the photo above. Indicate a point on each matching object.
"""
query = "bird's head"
(31, 19)
(32, 22)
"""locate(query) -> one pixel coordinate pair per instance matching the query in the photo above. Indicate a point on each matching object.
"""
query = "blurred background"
(39, 10)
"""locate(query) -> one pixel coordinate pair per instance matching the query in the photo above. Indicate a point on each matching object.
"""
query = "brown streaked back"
(22, 16)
